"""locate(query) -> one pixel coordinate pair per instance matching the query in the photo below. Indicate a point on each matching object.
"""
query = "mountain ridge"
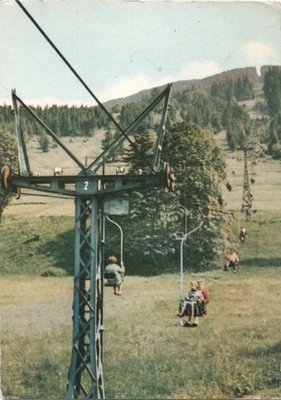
(204, 83)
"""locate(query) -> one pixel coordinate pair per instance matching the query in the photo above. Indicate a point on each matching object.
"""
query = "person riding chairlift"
(203, 305)
(115, 275)
(191, 306)
(242, 235)
(231, 261)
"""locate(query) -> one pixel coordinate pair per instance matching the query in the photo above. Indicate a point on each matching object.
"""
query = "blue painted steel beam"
(85, 377)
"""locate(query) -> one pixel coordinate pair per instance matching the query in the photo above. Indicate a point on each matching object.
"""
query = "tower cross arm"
(88, 186)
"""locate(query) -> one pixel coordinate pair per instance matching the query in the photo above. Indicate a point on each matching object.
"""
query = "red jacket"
(205, 295)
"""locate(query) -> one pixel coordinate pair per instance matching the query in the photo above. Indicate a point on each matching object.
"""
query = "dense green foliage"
(218, 108)
(242, 89)
(8, 155)
(200, 170)
(157, 215)
(272, 94)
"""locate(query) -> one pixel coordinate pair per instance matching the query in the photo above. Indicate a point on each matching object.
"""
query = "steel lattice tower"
(91, 192)
(86, 372)
(247, 198)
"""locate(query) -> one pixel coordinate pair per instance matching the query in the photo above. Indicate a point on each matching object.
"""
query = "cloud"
(47, 101)
(126, 86)
(199, 70)
(257, 53)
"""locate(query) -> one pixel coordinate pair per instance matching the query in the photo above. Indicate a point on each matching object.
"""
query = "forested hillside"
(219, 102)
(239, 101)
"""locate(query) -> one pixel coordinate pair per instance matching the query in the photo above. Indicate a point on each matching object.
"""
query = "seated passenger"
(203, 304)
(190, 306)
(118, 272)
(231, 261)
(242, 235)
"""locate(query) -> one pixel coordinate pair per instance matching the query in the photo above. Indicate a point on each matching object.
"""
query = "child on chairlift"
(190, 306)
(201, 287)
(113, 267)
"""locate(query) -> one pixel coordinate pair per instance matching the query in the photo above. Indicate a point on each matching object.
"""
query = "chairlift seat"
(197, 309)
(112, 279)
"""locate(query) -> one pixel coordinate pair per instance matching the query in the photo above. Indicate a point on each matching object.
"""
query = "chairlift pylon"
(90, 190)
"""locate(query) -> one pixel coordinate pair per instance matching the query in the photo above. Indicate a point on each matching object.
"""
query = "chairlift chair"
(182, 237)
(112, 278)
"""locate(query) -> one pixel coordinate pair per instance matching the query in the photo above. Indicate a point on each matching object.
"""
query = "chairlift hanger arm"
(24, 167)
(107, 153)
(193, 230)
(121, 236)
(88, 186)
(51, 133)
(160, 137)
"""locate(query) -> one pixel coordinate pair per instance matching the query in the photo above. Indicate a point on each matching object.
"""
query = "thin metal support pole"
(183, 239)
(185, 217)
(121, 237)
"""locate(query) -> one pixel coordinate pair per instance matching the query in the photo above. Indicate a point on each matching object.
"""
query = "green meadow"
(234, 353)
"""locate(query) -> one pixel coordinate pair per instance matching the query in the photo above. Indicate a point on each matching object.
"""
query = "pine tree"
(107, 140)
(139, 155)
(272, 91)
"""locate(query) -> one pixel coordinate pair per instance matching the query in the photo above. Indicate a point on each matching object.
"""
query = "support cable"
(183, 240)
(124, 132)
(74, 71)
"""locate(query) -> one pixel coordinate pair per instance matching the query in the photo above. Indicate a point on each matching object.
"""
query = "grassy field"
(235, 352)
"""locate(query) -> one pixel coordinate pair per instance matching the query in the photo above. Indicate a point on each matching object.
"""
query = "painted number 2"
(86, 185)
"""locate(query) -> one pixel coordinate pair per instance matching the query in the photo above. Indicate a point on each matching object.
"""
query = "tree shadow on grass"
(60, 251)
(261, 262)
(266, 350)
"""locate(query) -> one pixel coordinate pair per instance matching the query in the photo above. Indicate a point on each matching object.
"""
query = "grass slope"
(234, 353)
(36, 245)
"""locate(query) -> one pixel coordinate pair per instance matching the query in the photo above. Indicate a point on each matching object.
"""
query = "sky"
(119, 48)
